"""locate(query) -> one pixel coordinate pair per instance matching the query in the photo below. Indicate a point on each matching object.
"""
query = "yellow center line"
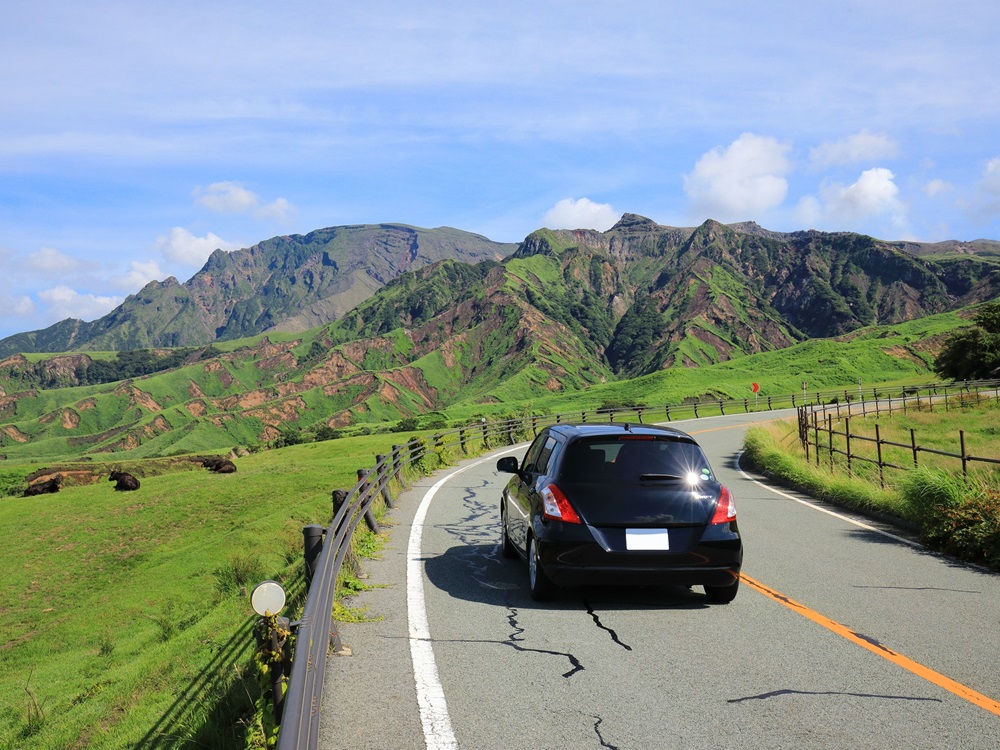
(877, 648)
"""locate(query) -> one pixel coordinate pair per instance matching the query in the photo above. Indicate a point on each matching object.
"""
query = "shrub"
(928, 490)
(240, 570)
(970, 531)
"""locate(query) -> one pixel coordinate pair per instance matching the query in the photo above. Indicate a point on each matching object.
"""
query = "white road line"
(438, 732)
(842, 517)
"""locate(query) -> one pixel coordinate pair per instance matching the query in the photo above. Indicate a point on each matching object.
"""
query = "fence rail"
(824, 419)
(316, 633)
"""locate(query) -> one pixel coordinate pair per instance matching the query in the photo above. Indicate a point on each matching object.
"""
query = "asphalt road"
(841, 636)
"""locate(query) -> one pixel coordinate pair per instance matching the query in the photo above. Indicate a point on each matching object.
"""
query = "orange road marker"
(877, 648)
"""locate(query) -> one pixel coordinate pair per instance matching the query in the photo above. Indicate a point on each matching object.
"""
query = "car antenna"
(627, 426)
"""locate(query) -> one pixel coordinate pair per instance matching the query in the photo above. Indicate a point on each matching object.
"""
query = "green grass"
(126, 616)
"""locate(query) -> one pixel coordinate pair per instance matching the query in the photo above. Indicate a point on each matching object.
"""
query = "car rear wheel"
(722, 594)
(541, 587)
(506, 546)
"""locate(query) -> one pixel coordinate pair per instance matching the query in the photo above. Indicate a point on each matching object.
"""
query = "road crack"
(516, 638)
(597, 730)
(777, 693)
(602, 626)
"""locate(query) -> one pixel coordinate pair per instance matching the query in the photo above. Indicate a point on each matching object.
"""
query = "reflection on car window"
(531, 457)
(613, 460)
(542, 463)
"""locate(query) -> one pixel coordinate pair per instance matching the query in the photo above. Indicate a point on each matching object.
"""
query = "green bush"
(927, 490)
(959, 517)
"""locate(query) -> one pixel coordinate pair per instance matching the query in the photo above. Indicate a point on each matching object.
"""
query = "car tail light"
(556, 506)
(725, 508)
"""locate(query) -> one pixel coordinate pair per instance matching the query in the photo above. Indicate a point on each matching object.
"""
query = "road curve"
(844, 635)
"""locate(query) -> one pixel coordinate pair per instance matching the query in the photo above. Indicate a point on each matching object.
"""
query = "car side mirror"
(507, 464)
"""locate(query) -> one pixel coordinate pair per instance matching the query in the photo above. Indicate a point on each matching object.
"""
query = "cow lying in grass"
(219, 465)
(43, 488)
(124, 482)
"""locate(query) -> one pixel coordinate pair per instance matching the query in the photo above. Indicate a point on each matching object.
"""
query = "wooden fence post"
(878, 447)
(847, 436)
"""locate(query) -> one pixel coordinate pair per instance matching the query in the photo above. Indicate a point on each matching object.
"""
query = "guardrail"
(316, 633)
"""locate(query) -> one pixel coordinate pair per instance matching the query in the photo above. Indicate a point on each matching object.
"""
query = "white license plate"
(639, 539)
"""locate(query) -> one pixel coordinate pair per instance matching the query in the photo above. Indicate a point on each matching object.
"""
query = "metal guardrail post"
(383, 480)
(365, 489)
(312, 543)
(397, 464)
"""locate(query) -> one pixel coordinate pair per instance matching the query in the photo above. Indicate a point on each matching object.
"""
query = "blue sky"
(135, 138)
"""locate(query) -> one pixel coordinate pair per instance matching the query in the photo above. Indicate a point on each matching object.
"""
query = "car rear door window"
(610, 459)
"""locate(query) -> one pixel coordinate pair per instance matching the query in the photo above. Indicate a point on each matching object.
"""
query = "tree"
(974, 352)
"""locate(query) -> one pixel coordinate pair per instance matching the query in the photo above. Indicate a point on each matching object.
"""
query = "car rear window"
(627, 458)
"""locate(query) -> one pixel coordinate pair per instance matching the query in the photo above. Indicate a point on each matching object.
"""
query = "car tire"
(722, 594)
(506, 546)
(541, 587)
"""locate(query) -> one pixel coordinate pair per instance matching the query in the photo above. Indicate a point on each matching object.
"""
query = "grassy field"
(125, 618)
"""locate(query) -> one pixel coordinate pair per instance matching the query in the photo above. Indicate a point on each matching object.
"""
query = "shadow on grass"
(221, 728)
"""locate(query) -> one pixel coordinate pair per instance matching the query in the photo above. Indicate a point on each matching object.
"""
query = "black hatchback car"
(619, 504)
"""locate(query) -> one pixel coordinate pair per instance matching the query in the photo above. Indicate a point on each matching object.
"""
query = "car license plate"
(648, 539)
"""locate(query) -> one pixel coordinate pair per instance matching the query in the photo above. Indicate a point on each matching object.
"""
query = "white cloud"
(936, 187)
(233, 198)
(139, 274)
(47, 260)
(863, 146)
(64, 302)
(873, 195)
(989, 188)
(740, 181)
(581, 214)
(19, 307)
(180, 246)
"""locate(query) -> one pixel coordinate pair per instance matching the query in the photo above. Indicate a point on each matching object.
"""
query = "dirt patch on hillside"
(70, 419)
(284, 361)
(134, 438)
(335, 368)
(14, 360)
(195, 391)
(901, 352)
(87, 403)
(196, 408)
(14, 434)
(218, 369)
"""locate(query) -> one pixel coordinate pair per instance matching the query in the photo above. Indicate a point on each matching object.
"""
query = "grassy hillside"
(244, 397)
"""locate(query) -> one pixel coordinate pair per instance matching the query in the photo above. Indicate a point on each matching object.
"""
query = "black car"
(619, 504)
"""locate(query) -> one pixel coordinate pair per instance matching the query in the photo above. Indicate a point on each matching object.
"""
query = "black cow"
(124, 482)
(43, 488)
(219, 465)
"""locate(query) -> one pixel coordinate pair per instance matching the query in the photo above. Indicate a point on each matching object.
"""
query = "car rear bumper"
(570, 561)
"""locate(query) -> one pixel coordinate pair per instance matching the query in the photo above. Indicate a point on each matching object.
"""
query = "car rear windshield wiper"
(654, 477)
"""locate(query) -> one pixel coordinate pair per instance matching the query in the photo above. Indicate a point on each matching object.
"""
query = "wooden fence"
(825, 430)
